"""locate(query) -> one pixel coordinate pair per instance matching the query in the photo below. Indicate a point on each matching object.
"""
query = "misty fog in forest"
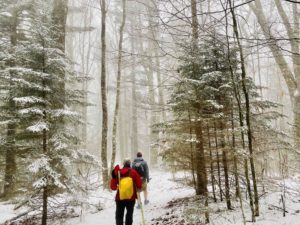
(207, 90)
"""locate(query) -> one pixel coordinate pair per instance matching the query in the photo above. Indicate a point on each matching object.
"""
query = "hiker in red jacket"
(131, 186)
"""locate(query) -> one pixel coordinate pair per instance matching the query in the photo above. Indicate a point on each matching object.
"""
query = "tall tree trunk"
(154, 12)
(292, 80)
(201, 168)
(296, 62)
(236, 175)
(237, 97)
(116, 115)
(192, 153)
(218, 162)
(104, 97)
(225, 166)
(235, 164)
(200, 155)
(201, 162)
(86, 63)
(148, 65)
(134, 124)
(248, 119)
(212, 177)
(59, 19)
(45, 151)
(45, 188)
(10, 154)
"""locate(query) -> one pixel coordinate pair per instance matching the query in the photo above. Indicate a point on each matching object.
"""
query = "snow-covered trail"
(161, 190)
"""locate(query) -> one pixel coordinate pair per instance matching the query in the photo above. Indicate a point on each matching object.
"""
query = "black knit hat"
(127, 162)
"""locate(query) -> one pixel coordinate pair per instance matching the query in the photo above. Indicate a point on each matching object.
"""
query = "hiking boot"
(138, 206)
(146, 202)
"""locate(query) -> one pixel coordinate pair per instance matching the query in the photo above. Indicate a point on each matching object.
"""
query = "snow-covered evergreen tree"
(206, 132)
(34, 73)
(12, 17)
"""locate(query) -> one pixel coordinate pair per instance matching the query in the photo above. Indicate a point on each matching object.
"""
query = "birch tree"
(118, 89)
(104, 96)
(290, 75)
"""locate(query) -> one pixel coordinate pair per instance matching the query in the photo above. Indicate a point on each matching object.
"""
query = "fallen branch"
(277, 207)
(19, 216)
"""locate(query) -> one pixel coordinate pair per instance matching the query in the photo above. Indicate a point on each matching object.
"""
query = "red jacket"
(137, 181)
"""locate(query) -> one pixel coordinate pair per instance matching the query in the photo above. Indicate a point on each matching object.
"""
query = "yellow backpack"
(126, 188)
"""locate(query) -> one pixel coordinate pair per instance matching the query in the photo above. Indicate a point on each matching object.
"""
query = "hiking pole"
(141, 205)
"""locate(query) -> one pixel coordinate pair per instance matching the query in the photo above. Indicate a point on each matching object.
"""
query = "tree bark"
(104, 97)
(235, 164)
(225, 166)
(212, 177)
(248, 119)
(134, 124)
(45, 206)
(116, 115)
(237, 96)
(154, 11)
(192, 153)
(59, 19)
(10, 154)
(218, 162)
(45, 188)
(200, 155)
(292, 79)
(201, 162)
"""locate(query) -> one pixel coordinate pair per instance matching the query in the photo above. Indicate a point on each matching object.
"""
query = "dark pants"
(121, 205)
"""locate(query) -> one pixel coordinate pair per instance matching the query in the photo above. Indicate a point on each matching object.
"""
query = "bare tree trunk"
(45, 152)
(86, 68)
(200, 155)
(116, 115)
(59, 19)
(235, 164)
(10, 154)
(104, 97)
(192, 153)
(148, 65)
(248, 119)
(218, 162)
(45, 188)
(241, 123)
(236, 175)
(212, 177)
(154, 12)
(259, 70)
(225, 166)
(134, 124)
(292, 80)
(201, 162)
(201, 168)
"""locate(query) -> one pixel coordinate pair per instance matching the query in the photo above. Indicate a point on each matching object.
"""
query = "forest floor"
(162, 189)
(172, 203)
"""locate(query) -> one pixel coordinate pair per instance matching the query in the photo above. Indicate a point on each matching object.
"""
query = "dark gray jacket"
(144, 164)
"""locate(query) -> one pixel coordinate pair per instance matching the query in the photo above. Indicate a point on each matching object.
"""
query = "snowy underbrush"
(90, 197)
(190, 210)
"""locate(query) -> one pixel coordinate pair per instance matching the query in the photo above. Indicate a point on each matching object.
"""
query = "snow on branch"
(28, 99)
(36, 111)
(38, 127)
(64, 112)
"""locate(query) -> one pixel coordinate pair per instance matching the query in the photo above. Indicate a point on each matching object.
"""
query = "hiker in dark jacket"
(141, 166)
(117, 175)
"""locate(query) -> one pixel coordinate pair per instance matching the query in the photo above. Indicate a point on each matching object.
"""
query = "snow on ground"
(161, 190)
(7, 212)
(173, 203)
